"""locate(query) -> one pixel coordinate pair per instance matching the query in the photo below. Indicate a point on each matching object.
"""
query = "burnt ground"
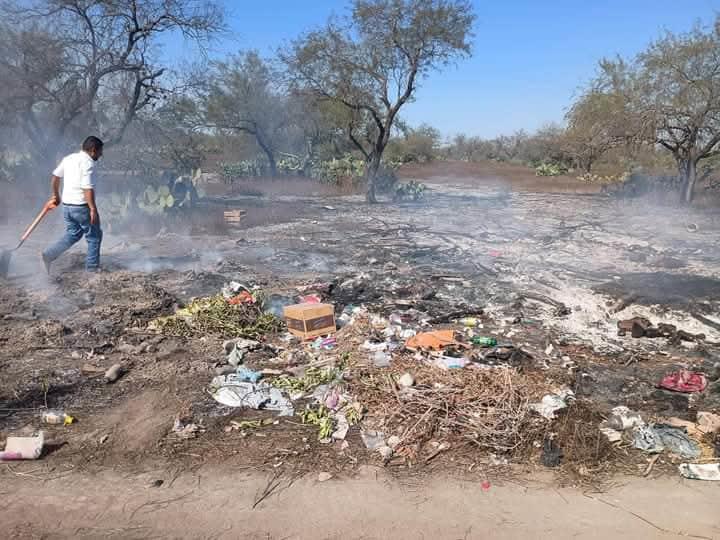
(553, 271)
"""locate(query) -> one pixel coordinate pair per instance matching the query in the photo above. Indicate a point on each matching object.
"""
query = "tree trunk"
(273, 165)
(371, 169)
(269, 154)
(306, 165)
(689, 173)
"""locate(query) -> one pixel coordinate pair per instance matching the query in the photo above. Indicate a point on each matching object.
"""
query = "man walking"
(77, 172)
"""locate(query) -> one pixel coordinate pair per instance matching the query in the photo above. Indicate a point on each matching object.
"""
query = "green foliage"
(335, 171)
(417, 145)
(604, 179)
(155, 201)
(291, 165)
(550, 169)
(410, 191)
(247, 168)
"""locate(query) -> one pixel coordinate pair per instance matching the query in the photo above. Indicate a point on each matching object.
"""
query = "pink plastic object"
(684, 381)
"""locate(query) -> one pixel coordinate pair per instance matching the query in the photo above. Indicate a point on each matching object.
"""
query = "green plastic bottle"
(484, 341)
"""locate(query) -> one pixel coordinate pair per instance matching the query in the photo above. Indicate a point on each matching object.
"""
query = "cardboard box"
(233, 217)
(310, 320)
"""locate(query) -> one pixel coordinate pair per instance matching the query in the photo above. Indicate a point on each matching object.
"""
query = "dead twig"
(270, 487)
(650, 466)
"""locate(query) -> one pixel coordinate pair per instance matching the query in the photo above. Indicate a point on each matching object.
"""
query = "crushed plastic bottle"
(57, 416)
(449, 362)
(468, 321)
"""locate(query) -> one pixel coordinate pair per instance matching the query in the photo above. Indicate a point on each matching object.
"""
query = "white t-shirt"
(78, 173)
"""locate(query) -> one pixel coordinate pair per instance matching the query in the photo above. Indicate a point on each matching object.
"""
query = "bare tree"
(90, 64)
(508, 147)
(245, 96)
(372, 62)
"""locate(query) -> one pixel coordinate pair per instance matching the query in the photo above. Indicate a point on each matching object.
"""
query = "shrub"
(550, 169)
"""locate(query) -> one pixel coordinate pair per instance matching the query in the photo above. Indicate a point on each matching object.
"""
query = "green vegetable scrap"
(319, 417)
(251, 424)
(353, 413)
(214, 315)
(313, 377)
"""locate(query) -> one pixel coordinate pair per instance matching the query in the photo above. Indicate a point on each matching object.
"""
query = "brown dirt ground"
(516, 177)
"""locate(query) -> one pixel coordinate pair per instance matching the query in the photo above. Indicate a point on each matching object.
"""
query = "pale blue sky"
(530, 56)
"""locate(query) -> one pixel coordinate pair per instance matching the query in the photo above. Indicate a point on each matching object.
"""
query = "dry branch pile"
(485, 407)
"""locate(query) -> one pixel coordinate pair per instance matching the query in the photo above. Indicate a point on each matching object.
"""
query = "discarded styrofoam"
(700, 471)
(406, 380)
(17, 448)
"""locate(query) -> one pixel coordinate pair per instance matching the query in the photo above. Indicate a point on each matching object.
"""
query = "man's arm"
(55, 186)
(90, 200)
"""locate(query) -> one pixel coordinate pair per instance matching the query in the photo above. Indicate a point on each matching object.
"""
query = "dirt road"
(215, 504)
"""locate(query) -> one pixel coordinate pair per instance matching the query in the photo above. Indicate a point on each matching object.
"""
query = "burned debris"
(408, 345)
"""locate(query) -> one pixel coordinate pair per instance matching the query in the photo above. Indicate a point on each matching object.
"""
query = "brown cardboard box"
(310, 320)
(233, 217)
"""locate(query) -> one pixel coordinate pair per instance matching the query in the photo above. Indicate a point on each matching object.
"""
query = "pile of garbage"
(238, 311)
(693, 442)
(416, 383)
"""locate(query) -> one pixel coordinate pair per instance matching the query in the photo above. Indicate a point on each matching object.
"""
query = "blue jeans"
(77, 224)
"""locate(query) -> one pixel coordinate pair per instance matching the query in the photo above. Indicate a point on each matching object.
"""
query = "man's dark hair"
(92, 143)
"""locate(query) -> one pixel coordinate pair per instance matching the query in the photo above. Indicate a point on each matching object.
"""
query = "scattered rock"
(114, 373)
(324, 476)
(127, 348)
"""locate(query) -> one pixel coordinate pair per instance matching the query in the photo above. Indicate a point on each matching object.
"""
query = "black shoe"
(47, 262)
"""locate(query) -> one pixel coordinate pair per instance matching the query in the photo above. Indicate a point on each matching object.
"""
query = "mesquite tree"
(372, 62)
(79, 65)
(671, 94)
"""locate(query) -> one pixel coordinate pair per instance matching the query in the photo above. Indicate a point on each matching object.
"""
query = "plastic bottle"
(57, 416)
(449, 362)
(484, 341)
(468, 321)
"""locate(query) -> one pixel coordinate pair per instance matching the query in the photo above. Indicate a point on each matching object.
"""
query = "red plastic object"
(684, 381)
(485, 486)
(243, 298)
